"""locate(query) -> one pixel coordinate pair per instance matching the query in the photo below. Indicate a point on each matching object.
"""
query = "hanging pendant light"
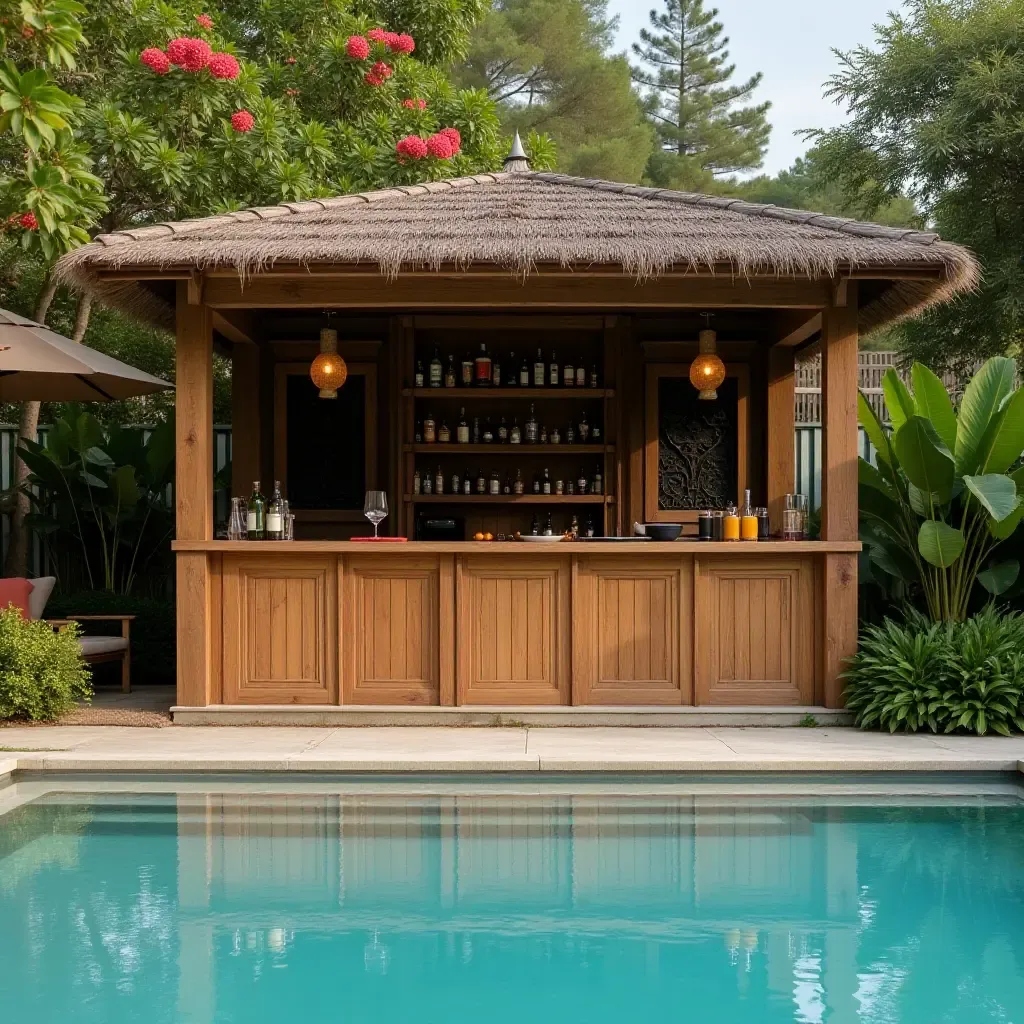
(707, 371)
(328, 371)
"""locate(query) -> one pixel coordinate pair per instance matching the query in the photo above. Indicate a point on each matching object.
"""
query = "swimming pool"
(450, 903)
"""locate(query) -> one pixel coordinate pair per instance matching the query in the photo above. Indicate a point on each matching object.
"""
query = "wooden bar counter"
(589, 623)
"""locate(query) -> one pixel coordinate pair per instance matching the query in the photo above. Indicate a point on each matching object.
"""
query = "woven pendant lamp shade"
(707, 371)
(328, 371)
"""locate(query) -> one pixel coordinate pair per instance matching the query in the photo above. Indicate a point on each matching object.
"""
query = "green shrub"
(153, 638)
(946, 677)
(42, 674)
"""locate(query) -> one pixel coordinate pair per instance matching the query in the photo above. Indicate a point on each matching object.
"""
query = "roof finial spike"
(517, 161)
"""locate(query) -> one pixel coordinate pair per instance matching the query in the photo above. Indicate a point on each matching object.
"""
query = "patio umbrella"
(39, 365)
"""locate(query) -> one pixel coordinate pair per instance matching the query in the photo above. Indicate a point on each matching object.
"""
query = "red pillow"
(15, 590)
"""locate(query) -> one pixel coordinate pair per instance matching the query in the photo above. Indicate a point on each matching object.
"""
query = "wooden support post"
(839, 511)
(194, 497)
(781, 430)
(245, 416)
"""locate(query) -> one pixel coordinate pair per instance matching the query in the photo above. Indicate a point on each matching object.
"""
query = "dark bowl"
(663, 531)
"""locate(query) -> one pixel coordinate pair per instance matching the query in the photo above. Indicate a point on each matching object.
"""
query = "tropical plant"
(943, 676)
(104, 494)
(944, 495)
(42, 674)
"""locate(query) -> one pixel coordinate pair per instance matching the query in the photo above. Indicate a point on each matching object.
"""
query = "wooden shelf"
(488, 393)
(494, 448)
(509, 499)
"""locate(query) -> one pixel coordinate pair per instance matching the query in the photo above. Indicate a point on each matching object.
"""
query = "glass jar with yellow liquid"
(748, 519)
(731, 523)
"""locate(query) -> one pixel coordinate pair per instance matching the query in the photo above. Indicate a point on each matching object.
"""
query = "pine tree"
(703, 128)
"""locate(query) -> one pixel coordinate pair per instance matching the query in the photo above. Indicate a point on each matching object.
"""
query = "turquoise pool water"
(244, 908)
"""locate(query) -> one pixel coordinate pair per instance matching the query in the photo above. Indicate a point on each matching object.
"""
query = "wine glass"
(375, 508)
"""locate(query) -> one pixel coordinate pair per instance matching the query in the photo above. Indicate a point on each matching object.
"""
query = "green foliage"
(103, 495)
(941, 499)
(154, 645)
(936, 112)
(42, 674)
(546, 64)
(943, 676)
(703, 128)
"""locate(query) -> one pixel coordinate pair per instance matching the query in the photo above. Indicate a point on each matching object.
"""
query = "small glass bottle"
(555, 437)
(518, 487)
(748, 519)
(439, 481)
(538, 370)
(462, 430)
(704, 525)
(764, 530)
(417, 481)
(449, 373)
(488, 434)
(236, 524)
(559, 487)
(570, 434)
(570, 487)
(496, 374)
(515, 435)
(717, 525)
(598, 487)
(418, 435)
(456, 483)
(476, 430)
(553, 378)
(436, 378)
(506, 487)
(593, 376)
(581, 377)
(481, 483)
(444, 434)
(543, 437)
(502, 432)
(581, 482)
(535, 525)
(584, 429)
(574, 527)
(428, 483)
(545, 487)
(524, 374)
(531, 428)
(549, 527)
(419, 378)
(588, 528)
(495, 483)
(595, 433)
(467, 483)
(536, 483)
(467, 370)
(568, 376)
(429, 429)
(731, 523)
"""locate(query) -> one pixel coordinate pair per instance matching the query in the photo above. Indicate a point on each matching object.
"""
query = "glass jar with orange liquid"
(731, 523)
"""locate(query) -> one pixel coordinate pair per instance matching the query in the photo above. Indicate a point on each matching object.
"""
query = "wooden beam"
(780, 430)
(542, 291)
(195, 287)
(840, 292)
(245, 417)
(797, 329)
(237, 325)
(839, 506)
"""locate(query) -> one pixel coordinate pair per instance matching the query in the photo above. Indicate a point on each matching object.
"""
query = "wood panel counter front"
(636, 624)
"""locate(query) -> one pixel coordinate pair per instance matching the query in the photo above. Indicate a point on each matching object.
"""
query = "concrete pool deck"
(446, 749)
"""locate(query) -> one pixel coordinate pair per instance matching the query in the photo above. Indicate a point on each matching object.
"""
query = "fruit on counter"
(488, 536)
(478, 536)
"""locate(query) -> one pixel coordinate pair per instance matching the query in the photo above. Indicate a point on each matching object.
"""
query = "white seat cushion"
(41, 590)
(93, 645)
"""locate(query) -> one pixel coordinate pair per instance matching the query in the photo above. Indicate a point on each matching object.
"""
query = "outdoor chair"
(31, 597)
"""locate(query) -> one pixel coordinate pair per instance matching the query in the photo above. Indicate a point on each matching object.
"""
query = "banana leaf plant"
(105, 493)
(948, 489)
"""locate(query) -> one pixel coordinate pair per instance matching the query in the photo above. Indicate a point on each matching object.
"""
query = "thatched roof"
(524, 222)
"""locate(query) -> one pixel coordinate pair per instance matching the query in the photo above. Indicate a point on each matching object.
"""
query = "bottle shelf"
(509, 499)
(504, 448)
(488, 393)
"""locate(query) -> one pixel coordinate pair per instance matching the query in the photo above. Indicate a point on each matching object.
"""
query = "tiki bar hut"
(511, 355)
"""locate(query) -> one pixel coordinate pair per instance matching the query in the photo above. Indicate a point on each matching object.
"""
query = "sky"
(791, 43)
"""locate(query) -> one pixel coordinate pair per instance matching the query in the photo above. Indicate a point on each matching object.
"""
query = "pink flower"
(290, 60)
(440, 146)
(371, 79)
(156, 60)
(204, 21)
(188, 53)
(411, 146)
(28, 221)
(414, 104)
(243, 121)
(378, 35)
(357, 47)
(390, 39)
(381, 70)
(453, 136)
(292, 92)
(223, 65)
(403, 43)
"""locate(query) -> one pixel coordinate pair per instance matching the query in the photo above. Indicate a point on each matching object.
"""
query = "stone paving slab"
(434, 749)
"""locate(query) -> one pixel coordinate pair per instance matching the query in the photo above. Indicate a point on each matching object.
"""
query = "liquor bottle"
(467, 483)
(593, 376)
(570, 435)
(456, 483)
(556, 437)
(531, 428)
(436, 377)
(568, 376)
(444, 435)
(559, 487)
(518, 487)
(598, 487)
(549, 528)
(488, 435)
(536, 483)
(581, 377)
(515, 435)
(494, 486)
(545, 487)
(507, 488)
(476, 430)
(449, 374)
(574, 527)
(511, 376)
(581, 482)
(416, 482)
(428, 483)
(538, 370)
(524, 374)
(439, 482)
(570, 488)
(502, 432)
(535, 525)
(275, 514)
(553, 379)
(748, 519)
(467, 370)
(419, 377)
(496, 374)
(482, 367)
(588, 529)
(429, 429)
(595, 433)
(462, 430)
(543, 437)
(418, 435)
(584, 429)
(481, 482)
